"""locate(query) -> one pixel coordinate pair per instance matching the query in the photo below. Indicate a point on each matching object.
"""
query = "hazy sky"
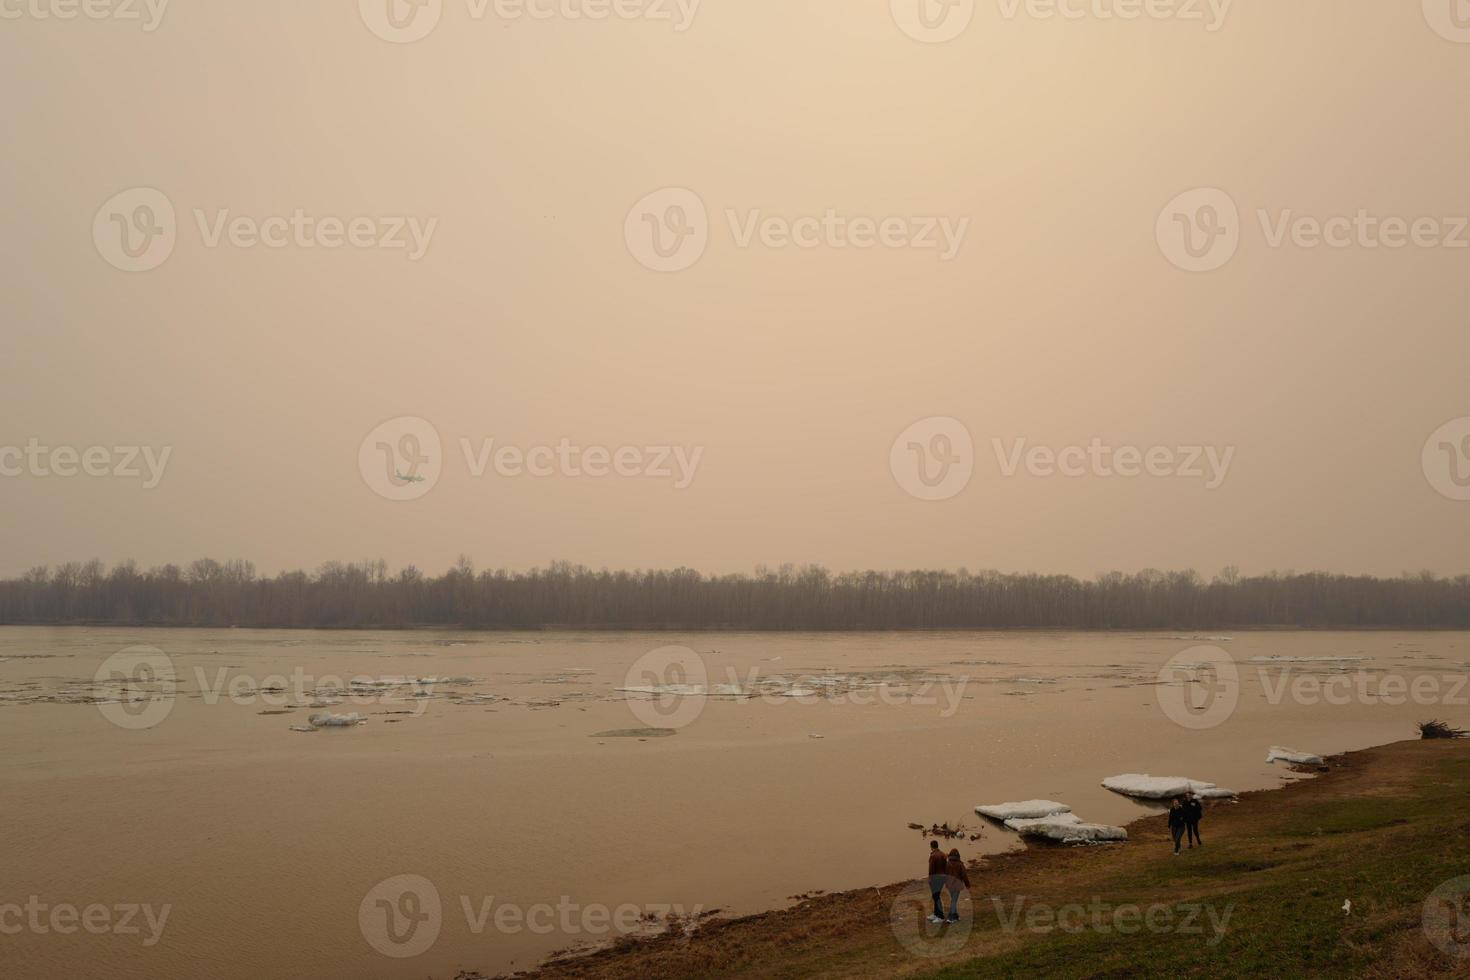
(1062, 308)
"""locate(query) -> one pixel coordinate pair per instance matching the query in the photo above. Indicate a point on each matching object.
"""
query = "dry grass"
(1383, 827)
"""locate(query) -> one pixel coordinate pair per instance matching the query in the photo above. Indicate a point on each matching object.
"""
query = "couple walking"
(1184, 817)
(946, 873)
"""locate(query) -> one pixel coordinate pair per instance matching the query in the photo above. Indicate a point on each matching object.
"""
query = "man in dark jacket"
(1193, 811)
(938, 863)
(1176, 822)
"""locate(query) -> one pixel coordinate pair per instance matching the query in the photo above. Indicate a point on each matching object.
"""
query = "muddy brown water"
(514, 803)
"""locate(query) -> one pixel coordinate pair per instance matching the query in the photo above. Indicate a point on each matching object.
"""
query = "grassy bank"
(1264, 897)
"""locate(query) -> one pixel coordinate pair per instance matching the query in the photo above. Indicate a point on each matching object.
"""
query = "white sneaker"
(935, 919)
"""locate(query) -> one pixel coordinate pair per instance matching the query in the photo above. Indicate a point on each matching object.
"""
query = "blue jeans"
(936, 888)
(954, 904)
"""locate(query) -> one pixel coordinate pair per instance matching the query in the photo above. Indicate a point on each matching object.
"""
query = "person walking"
(1194, 811)
(1176, 822)
(938, 864)
(956, 879)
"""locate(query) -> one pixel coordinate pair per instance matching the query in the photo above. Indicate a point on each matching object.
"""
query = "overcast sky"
(807, 282)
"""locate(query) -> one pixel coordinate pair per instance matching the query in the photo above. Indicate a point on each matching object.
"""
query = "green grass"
(1283, 879)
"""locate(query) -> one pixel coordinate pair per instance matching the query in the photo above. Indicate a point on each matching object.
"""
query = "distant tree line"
(364, 594)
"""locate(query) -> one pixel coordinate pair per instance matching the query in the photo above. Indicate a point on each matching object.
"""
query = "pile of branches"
(1438, 729)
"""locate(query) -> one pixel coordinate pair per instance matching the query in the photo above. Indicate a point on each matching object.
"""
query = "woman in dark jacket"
(957, 879)
(1176, 822)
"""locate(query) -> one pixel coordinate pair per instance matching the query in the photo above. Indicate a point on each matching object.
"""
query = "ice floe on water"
(1067, 828)
(1146, 787)
(1280, 659)
(1026, 810)
(685, 690)
(1279, 753)
(1204, 639)
(327, 719)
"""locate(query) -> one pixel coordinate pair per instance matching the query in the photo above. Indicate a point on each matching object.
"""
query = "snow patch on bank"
(1148, 787)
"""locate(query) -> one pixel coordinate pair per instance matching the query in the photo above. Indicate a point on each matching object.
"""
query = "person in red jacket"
(957, 879)
(938, 865)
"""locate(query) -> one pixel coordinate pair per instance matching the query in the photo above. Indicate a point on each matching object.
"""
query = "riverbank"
(1327, 876)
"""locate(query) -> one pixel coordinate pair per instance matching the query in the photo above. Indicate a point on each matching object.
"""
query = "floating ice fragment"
(329, 720)
(1067, 828)
(1277, 659)
(1027, 810)
(1280, 753)
(1149, 787)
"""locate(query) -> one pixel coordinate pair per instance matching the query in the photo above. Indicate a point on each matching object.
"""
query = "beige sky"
(531, 317)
